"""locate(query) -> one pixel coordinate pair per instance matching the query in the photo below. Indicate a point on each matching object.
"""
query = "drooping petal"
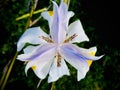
(76, 60)
(38, 52)
(81, 52)
(76, 28)
(91, 51)
(40, 60)
(31, 35)
(57, 72)
(41, 65)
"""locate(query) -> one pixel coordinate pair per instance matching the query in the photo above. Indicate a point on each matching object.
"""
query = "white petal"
(41, 66)
(76, 28)
(69, 15)
(42, 62)
(29, 49)
(48, 17)
(31, 35)
(57, 72)
(81, 74)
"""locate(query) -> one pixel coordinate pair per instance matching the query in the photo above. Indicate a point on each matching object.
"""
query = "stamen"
(58, 56)
(46, 39)
(70, 38)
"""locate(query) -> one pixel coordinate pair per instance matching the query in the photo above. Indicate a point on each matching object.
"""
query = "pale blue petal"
(58, 27)
(38, 52)
(76, 28)
(54, 30)
(57, 72)
(80, 52)
(42, 63)
(73, 57)
(31, 35)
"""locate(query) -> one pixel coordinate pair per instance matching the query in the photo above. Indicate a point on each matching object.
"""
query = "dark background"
(100, 20)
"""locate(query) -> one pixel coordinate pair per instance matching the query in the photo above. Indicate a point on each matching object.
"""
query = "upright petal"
(57, 72)
(31, 35)
(58, 27)
(76, 28)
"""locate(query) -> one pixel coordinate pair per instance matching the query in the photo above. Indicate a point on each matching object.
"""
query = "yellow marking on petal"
(34, 67)
(50, 13)
(90, 61)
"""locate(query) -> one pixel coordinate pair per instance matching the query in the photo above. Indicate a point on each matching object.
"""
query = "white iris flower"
(57, 48)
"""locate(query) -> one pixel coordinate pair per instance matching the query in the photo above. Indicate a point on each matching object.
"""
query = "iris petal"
(48, 17)
(41, 61)
(76, 28)
(38, 52)
(76, 60)
(57, 72)
(31, 35)
(58, 27)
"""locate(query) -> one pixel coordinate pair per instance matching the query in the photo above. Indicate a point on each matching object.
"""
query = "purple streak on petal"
(80, 52)
(55, 24)
(38, 52)
(59, 24)
(72, 57)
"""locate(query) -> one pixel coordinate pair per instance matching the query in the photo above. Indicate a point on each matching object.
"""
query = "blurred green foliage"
(103, 75)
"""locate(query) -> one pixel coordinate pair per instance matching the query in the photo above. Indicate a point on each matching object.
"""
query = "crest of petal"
(31, 35)
(76, 28)
(57, 72)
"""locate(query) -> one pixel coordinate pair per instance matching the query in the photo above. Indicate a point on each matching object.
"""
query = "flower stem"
(8, 67)
(53, 86)
(8, 72)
